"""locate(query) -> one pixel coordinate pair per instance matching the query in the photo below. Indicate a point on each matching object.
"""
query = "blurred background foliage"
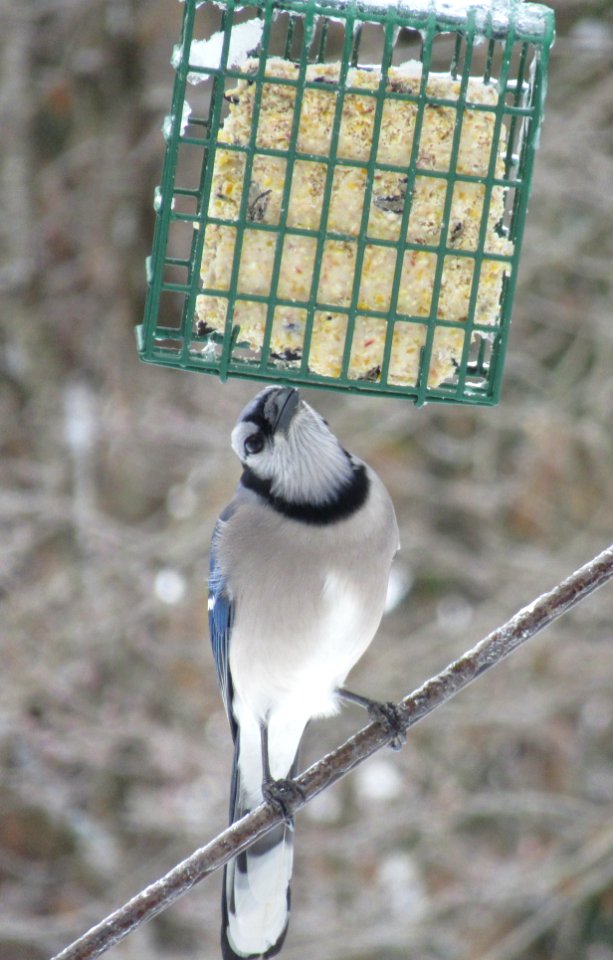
(490, 837)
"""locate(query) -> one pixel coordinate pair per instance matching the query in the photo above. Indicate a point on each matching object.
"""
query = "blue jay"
(300, 561)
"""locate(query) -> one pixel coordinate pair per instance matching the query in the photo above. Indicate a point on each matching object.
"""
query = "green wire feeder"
(343, 198)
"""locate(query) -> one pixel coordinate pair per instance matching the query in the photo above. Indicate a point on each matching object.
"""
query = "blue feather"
(221, 616)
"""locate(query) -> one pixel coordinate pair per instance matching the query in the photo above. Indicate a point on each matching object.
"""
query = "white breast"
(314, 657)
(347, 626)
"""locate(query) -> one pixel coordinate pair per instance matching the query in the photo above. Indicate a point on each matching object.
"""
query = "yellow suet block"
(337, 277)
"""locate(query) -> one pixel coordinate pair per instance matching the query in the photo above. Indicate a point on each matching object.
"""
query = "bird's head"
(288, 451)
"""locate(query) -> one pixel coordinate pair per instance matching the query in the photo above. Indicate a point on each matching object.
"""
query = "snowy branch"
(431, 695)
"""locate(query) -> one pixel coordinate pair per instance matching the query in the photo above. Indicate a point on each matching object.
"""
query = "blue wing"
(221, 616)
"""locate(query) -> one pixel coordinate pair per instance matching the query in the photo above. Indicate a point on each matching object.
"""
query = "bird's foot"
(392, 719)
(285, 796)
(388, 714)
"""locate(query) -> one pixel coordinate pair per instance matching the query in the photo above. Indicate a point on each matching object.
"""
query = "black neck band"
(349, 499)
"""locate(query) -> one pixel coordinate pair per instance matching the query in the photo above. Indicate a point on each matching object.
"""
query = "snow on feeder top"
(343, 200)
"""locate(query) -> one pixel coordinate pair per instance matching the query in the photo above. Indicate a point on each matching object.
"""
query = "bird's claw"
(392, 719)
(285, 796)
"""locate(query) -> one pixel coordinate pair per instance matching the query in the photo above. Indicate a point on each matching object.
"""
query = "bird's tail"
(256, 884)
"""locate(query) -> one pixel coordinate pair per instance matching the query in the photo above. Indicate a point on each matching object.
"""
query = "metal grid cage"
(343, 199)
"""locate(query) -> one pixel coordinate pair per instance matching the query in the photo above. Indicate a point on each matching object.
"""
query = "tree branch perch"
(432, 694)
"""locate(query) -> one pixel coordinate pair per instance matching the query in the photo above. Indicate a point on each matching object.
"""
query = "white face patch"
(310, 465)
(305, 464)
(240, 433)
(262, 462)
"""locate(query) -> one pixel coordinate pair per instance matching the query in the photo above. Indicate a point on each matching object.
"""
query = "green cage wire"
(344, 195)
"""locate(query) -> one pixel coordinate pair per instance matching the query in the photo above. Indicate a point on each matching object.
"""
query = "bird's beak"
(287, 401)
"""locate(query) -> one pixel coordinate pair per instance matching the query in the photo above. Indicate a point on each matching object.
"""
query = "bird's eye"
(254, 443)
